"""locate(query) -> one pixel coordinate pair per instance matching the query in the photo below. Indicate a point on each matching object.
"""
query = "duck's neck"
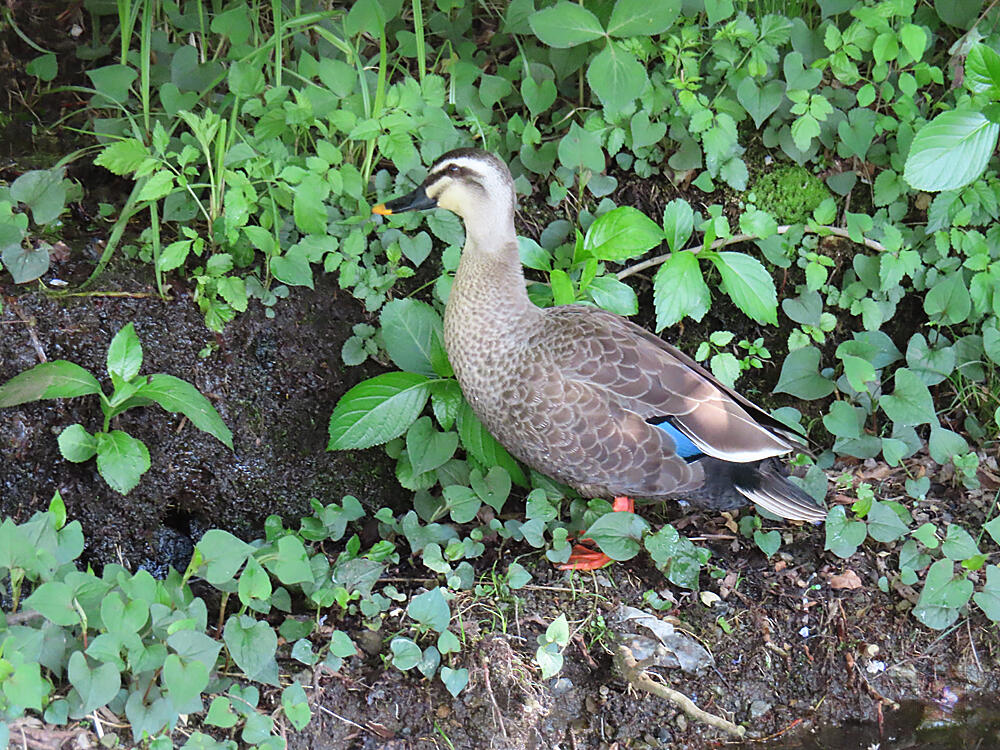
(488, 309)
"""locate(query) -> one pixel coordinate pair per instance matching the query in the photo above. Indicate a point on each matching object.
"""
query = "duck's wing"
(659, 383)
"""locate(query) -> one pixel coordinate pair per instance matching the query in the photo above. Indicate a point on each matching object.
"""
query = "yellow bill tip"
(381, 210)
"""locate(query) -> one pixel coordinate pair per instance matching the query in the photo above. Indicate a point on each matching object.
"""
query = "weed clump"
(790, 194)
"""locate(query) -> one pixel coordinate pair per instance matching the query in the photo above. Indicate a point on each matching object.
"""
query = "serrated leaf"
(414, 337)
(484, 447)
(123, 157)
(749, 285)
(76, 444)
(679, 289)
(377, 410)
(951, 150)
(121, 460)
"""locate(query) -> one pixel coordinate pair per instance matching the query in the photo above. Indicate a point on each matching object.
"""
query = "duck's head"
(472, 183)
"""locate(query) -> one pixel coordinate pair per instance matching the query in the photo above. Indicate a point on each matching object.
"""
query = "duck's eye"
(453, 169)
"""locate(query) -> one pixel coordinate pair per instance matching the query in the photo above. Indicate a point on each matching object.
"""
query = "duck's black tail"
(729, 485)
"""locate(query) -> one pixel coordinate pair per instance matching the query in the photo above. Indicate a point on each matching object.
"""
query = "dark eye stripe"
(457, 172)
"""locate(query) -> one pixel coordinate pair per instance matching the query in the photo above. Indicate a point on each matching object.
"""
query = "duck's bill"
(418, 200)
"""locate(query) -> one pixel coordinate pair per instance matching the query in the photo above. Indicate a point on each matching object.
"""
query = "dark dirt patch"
(274, 382)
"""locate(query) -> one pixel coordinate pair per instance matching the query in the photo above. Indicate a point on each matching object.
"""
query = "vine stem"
(823, 230)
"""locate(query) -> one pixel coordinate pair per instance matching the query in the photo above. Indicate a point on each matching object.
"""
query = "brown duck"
(581, 394)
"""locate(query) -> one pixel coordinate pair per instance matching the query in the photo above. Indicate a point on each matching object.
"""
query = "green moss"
(790, 194)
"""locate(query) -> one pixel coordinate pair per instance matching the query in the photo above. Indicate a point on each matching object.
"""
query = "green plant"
(46, 193)
(790, 194)
(121, 458)
(144, 647)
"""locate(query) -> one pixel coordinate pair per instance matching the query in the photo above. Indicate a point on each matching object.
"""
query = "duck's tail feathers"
(764, 485)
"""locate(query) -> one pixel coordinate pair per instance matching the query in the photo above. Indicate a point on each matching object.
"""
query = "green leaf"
(517, 576)
(24, 687)
(622, 233)
(121, 460)
(123, 157)
(296, 705)
(252, 646)
(57, 379)
(125, 353)
(800, 375)
(678, 223)
(428, 448)
(26, 263)
(948, 300)
(222, 555)
(44, 191)
(910, 402)
(414, 337)
(942, 596)
(768, 543)
(176, 395)
(494, 488)
(484, 447)
(461, 502)
(430, 609)
(914, 40)
(76, 444)
(565, 25)
(989, 598)
(619, 535)
(405, 653)
(613, 295)
(679, 289)
(290, 563)
(884, 525)
(96, 687)
(377, 410)
(642, 18)
(951, 150)
(843, 537)
(156, 186)
(292, 268)
(982, 69)
(581, 151)
(454, 680)
(616, 76)
(749, 285)
(958, 544)
(760, 102)
(54, 601)
(184, 681)
(993, 529)
(944, 444)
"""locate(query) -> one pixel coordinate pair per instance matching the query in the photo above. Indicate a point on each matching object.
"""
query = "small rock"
(562, 685)
(682, 722)
(758, 708)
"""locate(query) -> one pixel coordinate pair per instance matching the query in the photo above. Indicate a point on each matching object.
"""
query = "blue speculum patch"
(683, 445)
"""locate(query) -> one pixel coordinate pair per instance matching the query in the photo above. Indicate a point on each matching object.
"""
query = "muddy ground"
(804, 663)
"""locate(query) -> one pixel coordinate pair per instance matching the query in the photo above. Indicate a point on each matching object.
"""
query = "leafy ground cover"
(250, 142)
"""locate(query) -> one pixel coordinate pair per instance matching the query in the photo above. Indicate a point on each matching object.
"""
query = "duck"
(583, 395)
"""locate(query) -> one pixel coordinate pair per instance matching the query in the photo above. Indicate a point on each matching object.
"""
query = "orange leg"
(585, 557)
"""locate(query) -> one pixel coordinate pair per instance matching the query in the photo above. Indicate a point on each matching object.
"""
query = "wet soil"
(793, 653)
